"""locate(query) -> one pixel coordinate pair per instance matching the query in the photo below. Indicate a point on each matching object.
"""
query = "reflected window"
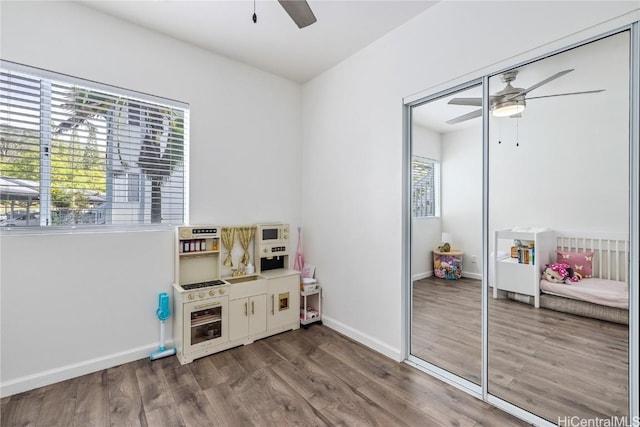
(425, 176)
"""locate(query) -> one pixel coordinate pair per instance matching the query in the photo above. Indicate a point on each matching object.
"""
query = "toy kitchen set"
(221, 299)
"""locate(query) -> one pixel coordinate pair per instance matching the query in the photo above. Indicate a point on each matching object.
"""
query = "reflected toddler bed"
(603, 292)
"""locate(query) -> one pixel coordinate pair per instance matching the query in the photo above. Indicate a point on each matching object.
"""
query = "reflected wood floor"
(447, 325)
(550, 363)
(311, 377)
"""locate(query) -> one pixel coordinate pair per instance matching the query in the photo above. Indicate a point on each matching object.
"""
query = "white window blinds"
(79, 153)
(424, 191)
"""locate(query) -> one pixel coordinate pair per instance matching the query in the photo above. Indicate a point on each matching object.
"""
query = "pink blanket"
(598, 291)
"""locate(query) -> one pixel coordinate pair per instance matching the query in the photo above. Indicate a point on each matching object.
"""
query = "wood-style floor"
(550, 363)
(311, 377)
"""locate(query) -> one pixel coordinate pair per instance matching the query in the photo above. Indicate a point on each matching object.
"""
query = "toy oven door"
(205, 323)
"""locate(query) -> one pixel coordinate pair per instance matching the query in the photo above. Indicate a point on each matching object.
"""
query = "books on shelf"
(526, 255)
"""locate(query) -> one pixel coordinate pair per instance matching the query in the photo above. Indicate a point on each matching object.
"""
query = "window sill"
(35, 231)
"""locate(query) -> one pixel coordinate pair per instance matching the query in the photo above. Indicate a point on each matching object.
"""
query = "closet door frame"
(434, 370)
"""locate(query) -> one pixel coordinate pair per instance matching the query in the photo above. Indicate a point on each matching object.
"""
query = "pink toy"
(560, 273)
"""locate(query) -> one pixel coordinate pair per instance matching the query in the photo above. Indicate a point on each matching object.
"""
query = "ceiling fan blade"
(299, 11)
(537, 85)
(564, 94)
(476, 102)
(464, 117)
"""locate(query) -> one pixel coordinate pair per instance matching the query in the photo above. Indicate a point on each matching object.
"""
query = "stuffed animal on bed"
(560, 273)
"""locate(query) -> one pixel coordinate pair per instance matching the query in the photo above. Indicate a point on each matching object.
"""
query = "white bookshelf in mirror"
(521, 273)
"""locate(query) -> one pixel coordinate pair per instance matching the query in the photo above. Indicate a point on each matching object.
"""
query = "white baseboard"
(419, 276)
(477, 276)
(52, 376)
(364, 339)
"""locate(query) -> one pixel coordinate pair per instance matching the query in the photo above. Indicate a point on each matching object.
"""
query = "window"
(133, 190)
(75, 152)
(425, 177)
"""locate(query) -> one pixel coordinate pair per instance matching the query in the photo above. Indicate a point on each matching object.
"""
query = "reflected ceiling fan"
(299, 11)
(510, 101)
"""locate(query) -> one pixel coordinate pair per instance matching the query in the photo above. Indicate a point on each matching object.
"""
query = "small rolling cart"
(311, 306)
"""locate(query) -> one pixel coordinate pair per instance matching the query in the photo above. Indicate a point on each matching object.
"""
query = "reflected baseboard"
(419, 276)
(477, 276)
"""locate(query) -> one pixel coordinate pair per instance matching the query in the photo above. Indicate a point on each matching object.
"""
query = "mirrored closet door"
(446, 236)
(559, 196)
(520, 237)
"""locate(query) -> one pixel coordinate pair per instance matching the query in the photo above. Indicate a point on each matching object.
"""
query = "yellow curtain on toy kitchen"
(228, 238)
(245, 234)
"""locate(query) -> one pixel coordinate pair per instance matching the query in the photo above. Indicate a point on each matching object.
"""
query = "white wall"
(426, 233)
(80, 302)
(426, 142)
(352, 133)
(462, 195)
(565, 164)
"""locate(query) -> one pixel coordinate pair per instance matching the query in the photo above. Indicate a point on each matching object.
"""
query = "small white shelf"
(510, 261)
(513, 276)
(311, 299)
(197, 253)
(313, 292)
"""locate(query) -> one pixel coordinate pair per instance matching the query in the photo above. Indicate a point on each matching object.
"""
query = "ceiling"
(434, 114)
(274, 44)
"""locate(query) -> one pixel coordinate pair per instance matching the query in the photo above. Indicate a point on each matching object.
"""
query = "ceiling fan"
(299, 11)
(510, 101)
